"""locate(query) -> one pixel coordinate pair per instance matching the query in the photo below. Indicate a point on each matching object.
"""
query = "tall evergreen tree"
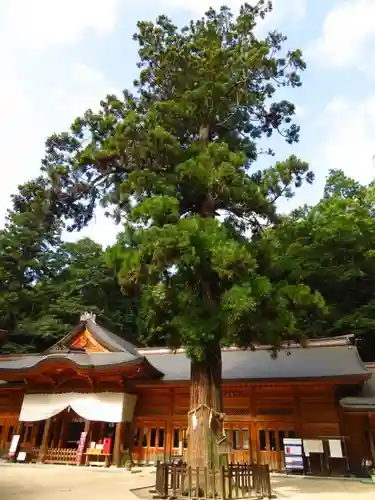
(26, 254)
(176, 158)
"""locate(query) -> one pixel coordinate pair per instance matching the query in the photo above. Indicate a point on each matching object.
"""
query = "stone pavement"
(305, 488)
(42, 482)
(63, 482)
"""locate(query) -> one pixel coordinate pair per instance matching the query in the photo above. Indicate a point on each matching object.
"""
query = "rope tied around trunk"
(213, 414)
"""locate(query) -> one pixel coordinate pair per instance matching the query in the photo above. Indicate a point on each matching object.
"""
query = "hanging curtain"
(105, 406)
(97, 407)
(37, 407)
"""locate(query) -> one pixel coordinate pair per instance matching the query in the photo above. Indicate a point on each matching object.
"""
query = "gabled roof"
(107, 339)
(119, 353)
(81, 359)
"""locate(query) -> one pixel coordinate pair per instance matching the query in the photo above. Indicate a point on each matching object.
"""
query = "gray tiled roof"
(110, 340)
(366, 398)
(302, 363)
(84, 360)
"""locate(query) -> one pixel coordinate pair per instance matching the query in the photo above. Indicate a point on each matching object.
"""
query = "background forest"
(47, 283)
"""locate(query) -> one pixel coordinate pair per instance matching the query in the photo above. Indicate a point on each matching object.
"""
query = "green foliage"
(46, 284)
(329, 247)
(175, 163)
(203, 249)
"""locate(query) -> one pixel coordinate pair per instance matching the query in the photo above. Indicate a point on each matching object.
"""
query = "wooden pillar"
(34, 433)
(20, 431)
(53, 434)
(44, 446)
(117, 445)
(62, 434)
(2, 436)
(371, 438)
(80, 453)
(87, 427)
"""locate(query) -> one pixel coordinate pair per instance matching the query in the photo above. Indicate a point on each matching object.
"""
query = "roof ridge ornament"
(88, 316)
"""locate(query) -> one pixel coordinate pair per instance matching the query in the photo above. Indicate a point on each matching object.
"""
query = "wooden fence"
(233, 482)
(60, 456)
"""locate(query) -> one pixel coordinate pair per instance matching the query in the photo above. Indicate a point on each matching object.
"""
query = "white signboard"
(21, 457)
(293, 454)
(335, 448)
(295, 463)
(312, 446)
(14, 444)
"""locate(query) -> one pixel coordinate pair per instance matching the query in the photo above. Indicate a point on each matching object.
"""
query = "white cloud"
(40, 24)
(41, 95)
(15, 127)
(27, 124)
(348, 36)
(83, 87)
(349, 138)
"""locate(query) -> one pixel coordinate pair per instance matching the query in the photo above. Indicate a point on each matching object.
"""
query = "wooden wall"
(10, 407)
(310, 407)
(257, 417)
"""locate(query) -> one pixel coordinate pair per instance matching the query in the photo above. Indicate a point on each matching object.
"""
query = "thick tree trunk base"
(205, 417)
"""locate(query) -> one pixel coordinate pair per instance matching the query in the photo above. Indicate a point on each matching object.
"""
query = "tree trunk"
(205, 415)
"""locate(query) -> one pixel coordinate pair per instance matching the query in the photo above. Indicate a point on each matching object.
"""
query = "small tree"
(177, 159)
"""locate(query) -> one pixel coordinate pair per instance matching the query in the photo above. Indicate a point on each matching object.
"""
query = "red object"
(287, 450)
(81, 447)
(107, 445)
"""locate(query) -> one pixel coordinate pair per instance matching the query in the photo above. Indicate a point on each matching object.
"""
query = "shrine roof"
(117, 351)
(104, 337)
(366, 397)
(293, 363)
(327, 358)
(81, 359)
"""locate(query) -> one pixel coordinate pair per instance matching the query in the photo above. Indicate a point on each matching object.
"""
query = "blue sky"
(60, 57)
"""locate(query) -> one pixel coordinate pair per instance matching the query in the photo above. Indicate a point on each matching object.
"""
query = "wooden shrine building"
(125, 398)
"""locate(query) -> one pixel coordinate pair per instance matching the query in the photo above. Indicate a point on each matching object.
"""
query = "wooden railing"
(233, 482)
(60, 456)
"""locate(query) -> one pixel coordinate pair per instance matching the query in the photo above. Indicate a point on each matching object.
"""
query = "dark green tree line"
(45, 283)
(330, 247)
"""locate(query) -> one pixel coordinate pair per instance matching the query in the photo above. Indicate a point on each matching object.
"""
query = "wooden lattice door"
(149, 441)
(270, 445)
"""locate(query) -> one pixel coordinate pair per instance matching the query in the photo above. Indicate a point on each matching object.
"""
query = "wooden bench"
(102, 459)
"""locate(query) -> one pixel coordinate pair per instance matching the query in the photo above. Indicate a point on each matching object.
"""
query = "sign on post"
(81, 447)
(293, 454)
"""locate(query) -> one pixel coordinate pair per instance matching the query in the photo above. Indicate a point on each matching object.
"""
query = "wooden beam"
(117, 445)
(44, 446)
(371, 438)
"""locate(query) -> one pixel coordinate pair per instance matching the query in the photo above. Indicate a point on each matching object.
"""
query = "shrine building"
(124, 397)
